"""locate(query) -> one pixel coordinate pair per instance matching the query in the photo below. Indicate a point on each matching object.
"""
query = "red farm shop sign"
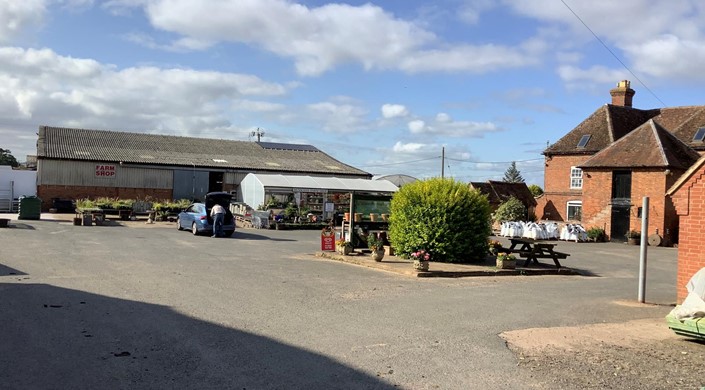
(327, 240)
(105, 171)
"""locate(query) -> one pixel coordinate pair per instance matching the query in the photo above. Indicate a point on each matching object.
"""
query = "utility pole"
(259, 133)
(443, 161)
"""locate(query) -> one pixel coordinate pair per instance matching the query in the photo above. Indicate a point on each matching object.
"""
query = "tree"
(510, 210)
(6, 158)
(535, 190)
(512, 175)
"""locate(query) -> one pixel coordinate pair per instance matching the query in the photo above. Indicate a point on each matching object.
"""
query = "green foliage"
(510, 210)
(290, 211)
(535, 190)
(374, 243)
(633, 234)
(85, 204)
(6, 158)
(512, 174)
(444, 217)
(596, 234)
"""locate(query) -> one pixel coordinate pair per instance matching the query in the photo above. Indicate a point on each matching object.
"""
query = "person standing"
(218, 214)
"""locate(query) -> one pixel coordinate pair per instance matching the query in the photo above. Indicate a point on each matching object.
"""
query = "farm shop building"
(81, 163)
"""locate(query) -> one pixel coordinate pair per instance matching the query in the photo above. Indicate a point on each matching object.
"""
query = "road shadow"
(240, 235)
(67, 339)
(19, 225)
(5, 271)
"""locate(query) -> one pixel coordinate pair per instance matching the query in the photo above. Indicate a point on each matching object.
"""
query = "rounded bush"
(444, 217)
(511, 210)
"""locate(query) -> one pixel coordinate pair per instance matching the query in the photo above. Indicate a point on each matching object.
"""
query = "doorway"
(621, 204)
(215, 181)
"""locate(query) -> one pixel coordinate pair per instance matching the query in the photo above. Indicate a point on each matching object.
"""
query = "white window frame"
(576, 178)
(575, 204)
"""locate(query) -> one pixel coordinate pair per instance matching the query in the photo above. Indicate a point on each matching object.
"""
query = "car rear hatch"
(223, 199)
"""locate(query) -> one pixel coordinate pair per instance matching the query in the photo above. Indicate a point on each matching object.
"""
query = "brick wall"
(47, 192)
(689, 202)
(597, 187)
(556, 184)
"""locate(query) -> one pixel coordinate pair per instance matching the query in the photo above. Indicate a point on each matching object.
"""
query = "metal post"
(443, 161)
(642, 252)
(352, 218)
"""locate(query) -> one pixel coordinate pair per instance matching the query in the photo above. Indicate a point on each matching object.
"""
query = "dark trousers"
(218, 220)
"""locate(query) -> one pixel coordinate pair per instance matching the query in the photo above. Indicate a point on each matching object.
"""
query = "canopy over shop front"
(255, 186)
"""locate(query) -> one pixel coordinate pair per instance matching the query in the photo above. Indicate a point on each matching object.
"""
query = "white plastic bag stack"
(694, 304)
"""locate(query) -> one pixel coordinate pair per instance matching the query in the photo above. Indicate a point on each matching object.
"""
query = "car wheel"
(178, 224)
(194, 229)
(228, 233)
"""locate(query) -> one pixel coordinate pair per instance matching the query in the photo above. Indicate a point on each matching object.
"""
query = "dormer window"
(583, 141)
(699, 135)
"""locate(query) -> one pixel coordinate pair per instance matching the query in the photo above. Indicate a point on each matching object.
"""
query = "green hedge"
(444, 217)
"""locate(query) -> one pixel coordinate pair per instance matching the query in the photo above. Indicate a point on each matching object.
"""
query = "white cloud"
(444, 125)
(20, 16)
(659, 39)
(390, 111)
(574, 76)
(338, 116)
(321, 38)
(416, 126)
(400, 147)
(42, 87)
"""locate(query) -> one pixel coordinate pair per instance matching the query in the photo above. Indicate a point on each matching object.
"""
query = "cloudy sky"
(381, 85)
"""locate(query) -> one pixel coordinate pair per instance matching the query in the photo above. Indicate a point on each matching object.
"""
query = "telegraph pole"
(443, 161)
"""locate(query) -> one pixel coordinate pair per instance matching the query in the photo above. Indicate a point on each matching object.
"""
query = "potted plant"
(376, 246)
(633, 237)
(506, 261)
(596, 234)
(343, 247)
(421, 259)
(494, 247)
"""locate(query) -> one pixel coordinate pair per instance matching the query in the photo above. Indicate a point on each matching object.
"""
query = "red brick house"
(688, 195)
(599, 172)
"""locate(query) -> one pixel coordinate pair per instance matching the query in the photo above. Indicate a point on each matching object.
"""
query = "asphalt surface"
(148, 306)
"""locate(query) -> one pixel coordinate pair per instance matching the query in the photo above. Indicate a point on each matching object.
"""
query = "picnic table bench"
(532, 251)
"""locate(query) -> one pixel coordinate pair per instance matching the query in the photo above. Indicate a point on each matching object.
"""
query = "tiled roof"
(648, 146)
(499, 191)
(141, 148)
(610, 123)
(606, 125)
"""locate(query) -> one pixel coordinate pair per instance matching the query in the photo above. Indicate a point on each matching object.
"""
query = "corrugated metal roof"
(156, 149)
(324, 183)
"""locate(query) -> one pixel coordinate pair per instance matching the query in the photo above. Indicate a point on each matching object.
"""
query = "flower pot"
(373, 217)
(347, 217)
(506, 264)
(385, 217)
(358, 217)
(378, 255)
(420, 265)
(633, 241)
(347, 250)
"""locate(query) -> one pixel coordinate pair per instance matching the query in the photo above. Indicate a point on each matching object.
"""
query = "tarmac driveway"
(147, 306)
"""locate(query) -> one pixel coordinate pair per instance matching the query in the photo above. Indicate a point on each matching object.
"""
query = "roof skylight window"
(699, 135)
(584, 140)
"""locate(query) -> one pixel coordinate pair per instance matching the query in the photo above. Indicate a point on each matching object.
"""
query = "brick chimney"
(622, 95)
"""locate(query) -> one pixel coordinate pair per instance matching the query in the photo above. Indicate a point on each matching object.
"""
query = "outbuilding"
(77, 163)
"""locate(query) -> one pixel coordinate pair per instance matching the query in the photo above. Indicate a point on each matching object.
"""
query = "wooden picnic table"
(532, 251)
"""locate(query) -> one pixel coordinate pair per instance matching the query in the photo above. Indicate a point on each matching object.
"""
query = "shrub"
(441, 216)
(511, 210)
(535, 190)
(596, 234)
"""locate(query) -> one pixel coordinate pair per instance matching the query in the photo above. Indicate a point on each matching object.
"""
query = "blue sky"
(382, 85)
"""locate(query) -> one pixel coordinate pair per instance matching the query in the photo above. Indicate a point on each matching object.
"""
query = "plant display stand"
(694, 328)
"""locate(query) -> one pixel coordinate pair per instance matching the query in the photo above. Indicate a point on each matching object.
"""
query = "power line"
(494, 162)
(399, 163)
(613, 54)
